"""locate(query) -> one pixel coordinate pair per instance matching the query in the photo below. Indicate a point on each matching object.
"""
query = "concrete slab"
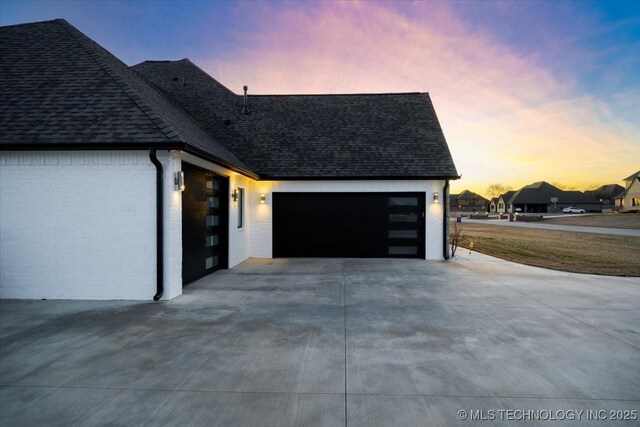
(328, 342)
(380, 411)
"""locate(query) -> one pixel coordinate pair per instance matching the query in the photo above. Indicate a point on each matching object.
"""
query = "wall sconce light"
(263, 198)
(234, 195)
(178, 181)
(436, 197)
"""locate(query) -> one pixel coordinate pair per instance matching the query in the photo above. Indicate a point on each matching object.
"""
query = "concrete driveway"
(331, 342)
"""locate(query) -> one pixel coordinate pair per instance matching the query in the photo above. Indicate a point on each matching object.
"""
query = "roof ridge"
(344, 94)
(195, 66)
(24, 24)
(632, 176)
(209, 76)
(163, 126)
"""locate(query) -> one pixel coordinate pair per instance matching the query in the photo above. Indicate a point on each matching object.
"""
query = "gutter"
(159, 225)
(445, 221)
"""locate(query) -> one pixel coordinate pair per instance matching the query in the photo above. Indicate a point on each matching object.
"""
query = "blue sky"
(524, 90)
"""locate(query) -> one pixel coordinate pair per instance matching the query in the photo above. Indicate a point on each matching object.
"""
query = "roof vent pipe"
(245, 107)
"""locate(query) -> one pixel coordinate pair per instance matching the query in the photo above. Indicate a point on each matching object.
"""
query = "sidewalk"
(559, 227)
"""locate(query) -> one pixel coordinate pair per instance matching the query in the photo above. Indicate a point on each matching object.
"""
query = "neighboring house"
(629, 199)
(606, 194)
(468, 202)
(539, 198)
(122, 182)
(493, 205)
(503, 202)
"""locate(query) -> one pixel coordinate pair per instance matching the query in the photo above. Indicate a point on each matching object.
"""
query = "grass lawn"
(613, 220)
(558, 250)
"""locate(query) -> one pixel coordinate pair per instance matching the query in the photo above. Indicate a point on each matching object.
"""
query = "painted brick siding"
(171, 164)
(81, 225)
(77, 225)
(261, 226)
(255, 240)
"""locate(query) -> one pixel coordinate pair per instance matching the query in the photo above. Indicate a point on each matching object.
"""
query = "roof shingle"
(60, 87)
(313, 136)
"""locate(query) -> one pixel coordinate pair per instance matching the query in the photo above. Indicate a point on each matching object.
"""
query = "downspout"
(159, 225)
(445, 220)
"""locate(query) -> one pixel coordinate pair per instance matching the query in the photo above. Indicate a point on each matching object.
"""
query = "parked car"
(573, 210)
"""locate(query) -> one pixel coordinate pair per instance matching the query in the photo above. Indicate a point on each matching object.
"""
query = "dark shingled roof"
(507, 195)
(541, 193)
(60, 87)
(467, 194)
(608, 191)
(313, 136)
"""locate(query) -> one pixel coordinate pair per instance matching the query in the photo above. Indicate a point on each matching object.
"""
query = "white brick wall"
(255, 240)
(77, 225)
(171, 164)
(81, 224)
(261, 226)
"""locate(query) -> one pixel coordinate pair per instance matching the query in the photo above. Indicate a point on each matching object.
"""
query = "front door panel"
(204, 223)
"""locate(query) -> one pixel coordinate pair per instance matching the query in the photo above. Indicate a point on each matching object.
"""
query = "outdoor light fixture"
(234, 195)
(436, 197)
(178, 181)
(263, 198)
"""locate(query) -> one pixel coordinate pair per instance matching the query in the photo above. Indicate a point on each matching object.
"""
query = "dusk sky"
(525, 91)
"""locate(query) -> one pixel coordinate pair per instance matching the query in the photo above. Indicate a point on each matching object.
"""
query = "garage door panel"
(348, 225)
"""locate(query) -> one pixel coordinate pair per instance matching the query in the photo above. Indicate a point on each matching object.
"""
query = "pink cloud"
(506, 117)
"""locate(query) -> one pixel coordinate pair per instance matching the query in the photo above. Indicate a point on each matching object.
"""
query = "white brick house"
(87, 212)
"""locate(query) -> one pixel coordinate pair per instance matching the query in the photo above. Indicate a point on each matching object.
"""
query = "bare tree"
(455, 237)
(496, 189)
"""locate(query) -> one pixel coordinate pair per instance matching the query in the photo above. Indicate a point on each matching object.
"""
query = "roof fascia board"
(70, 146)
(357, 178)
(200, 153)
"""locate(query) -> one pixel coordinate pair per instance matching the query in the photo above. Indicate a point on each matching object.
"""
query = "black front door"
(204, 223)
(373, 225)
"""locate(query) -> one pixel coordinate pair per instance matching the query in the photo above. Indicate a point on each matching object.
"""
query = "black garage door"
(372, 225)
(204, 223)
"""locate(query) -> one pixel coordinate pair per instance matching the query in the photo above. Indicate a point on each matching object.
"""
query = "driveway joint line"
(169, 390)
(481, 396)
(344, 298)
(466, 396)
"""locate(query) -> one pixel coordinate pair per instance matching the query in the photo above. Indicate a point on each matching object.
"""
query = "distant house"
(493, 205)
(542, 197)
(629, 199)
(468, 202)
(503, 200)
(606, 194)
